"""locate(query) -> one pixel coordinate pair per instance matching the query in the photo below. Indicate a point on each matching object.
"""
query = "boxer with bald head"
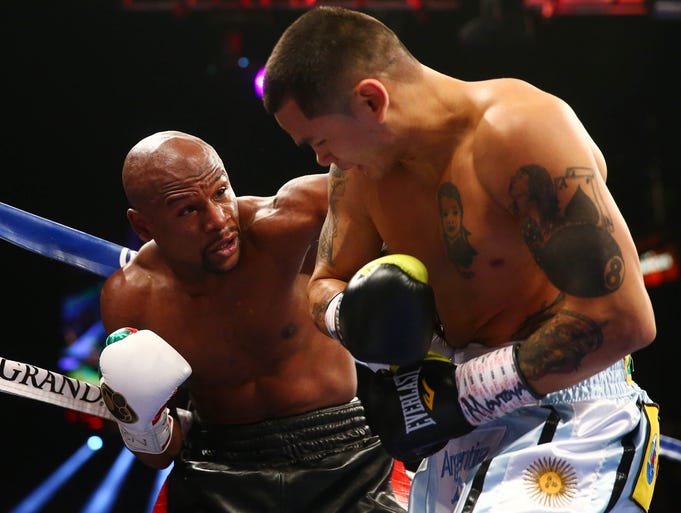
(222, 280)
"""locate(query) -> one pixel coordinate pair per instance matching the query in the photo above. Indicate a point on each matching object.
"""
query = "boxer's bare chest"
(485, 279)
(240, 327)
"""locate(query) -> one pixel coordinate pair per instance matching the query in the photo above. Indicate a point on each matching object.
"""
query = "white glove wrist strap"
(154, 440)
(490, 386)
(331, 315)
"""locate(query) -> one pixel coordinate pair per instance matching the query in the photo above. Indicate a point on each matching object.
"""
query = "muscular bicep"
(553, 186)
(546, 171)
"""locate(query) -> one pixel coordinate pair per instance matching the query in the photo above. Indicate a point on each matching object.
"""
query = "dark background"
(85, 80)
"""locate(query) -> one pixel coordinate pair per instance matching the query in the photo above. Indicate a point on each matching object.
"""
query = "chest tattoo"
(454, 233)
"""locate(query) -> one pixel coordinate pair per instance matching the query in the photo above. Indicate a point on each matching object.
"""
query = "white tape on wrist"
(154, 440)
(331, 315)
(490, 386)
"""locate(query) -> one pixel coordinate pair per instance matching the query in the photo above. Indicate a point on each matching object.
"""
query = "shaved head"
(160, 158)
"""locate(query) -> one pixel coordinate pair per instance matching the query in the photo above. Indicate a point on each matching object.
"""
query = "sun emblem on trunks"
(551, 482)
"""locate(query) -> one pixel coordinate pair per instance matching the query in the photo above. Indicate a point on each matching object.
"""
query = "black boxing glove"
(414, 410)
(386, 314)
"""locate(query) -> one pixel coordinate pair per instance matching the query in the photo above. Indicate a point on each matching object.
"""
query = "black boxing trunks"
(324, 461)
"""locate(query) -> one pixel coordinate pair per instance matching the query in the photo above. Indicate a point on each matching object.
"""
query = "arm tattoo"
(325, 247)
(330, 230)
(318, 313)
(534, 321)
(454, 233)
(568, 230)
(559, 345)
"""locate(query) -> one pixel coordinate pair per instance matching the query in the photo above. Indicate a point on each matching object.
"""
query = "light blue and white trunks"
(589, 448)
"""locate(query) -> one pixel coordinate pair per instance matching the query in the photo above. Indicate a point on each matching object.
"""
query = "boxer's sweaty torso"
(246, 333)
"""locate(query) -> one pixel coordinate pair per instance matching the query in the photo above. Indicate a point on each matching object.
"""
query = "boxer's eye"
(187, 210)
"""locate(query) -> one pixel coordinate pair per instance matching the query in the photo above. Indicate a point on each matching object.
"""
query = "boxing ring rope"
(59, 242)
(670, 448)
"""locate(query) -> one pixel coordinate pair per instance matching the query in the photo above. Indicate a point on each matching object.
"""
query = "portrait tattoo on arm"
(559, 345)
(454, 233)
(567, 229)
(329, 229)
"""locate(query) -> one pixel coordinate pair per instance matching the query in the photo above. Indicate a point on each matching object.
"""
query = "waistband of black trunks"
(298, 438)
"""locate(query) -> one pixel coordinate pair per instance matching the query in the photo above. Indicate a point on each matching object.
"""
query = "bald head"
(163, 158)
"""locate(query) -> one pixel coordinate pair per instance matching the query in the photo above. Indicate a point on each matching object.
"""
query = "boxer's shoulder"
(306, 194)
(295, 214)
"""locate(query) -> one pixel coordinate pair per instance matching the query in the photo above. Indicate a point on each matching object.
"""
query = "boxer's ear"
(139, 225)
(373, 98)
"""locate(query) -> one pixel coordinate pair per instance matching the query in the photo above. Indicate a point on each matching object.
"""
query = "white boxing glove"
(140, 372)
